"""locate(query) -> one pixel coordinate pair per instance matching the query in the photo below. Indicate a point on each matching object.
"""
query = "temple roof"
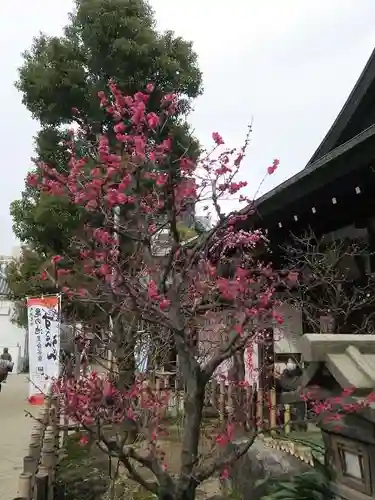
(337, 154)
(353, 116)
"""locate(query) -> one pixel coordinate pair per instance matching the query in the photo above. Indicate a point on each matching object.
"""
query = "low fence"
(256, 408)
(299, 451)
(36, 482)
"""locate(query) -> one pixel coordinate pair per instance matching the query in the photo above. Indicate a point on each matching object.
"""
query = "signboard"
(44, 344)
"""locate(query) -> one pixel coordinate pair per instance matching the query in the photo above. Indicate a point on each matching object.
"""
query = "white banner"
(44, 343)
(141, 353)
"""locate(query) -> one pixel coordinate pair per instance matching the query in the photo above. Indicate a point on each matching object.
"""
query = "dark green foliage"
(104, 39)
(311, 485)
(83, 473)
(24, 281)
(45, 222)
(48, 224)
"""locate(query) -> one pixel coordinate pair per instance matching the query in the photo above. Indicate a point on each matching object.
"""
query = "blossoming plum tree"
(133, 190)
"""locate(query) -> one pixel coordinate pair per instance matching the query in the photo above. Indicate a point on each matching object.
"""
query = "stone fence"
(36, 482)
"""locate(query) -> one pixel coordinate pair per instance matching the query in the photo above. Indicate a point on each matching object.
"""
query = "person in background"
(6, 356)
(5, 365)
(3, 372)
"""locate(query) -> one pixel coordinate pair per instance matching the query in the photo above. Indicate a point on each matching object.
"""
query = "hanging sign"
(44, 344)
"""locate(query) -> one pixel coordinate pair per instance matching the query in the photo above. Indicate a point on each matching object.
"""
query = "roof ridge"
(350, 106)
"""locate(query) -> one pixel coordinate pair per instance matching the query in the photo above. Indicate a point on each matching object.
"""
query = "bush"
(83, 473)
(311, 485)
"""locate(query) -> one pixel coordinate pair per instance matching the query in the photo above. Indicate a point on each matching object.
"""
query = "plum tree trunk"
(124, 350)
(195, 384)
(236, 375)
(186, 486)
(193, 409)
(188, 494)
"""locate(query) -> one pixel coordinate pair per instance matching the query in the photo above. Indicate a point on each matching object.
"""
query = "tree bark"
(193, 408)
(124, 353)
(185, 489)
(188, 494)
(237, 375)
(124, 347)
(195, 384)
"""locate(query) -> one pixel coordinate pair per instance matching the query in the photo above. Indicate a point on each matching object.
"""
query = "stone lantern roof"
(335, 362)
(349, 358)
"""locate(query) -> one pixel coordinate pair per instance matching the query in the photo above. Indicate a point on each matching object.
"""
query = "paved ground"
(15, 429)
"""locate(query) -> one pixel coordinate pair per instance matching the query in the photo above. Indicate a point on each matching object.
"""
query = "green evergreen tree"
(104, 39)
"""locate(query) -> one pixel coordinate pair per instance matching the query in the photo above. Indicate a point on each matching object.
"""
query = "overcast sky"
(289, 64)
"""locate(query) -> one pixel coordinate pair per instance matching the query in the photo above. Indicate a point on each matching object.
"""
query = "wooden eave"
(333, 158)
(342, 160)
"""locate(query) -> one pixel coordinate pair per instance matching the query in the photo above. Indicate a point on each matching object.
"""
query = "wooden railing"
(259, 408)
(36, 482)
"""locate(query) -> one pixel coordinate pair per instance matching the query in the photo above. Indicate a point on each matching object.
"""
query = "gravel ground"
(15, 429)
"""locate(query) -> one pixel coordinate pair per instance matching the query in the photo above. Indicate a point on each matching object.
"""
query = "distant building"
(16, 252)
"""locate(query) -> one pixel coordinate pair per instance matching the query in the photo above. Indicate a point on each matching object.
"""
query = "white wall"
(11, 335)
(288, 334)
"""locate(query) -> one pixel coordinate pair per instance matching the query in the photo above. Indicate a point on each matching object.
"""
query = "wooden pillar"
(222, 401)
(272, 410)
(230, 402)
(249, 406)
(371, 242)
(177, 397)
(287, 419)
(259, 412)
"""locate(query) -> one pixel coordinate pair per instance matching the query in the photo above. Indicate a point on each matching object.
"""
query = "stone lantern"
(350, 453)
(335, 363)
